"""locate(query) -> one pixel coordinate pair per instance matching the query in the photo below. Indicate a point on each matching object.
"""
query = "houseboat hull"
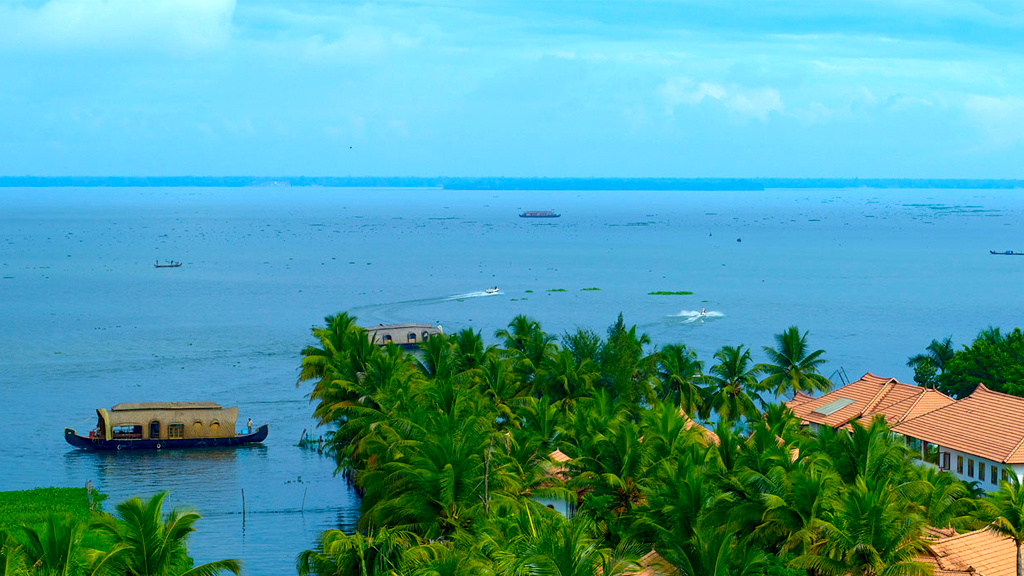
(72, 437)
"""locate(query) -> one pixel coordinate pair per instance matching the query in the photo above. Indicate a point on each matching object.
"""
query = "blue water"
(87, 322)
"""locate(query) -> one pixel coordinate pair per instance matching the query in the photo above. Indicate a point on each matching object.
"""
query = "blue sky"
(666, 88)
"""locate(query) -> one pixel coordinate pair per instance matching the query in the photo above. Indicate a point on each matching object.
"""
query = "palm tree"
(55, 547)
(554, 546)
(379, 553)
(733, 385)
(679, 375)
(625, 369)
(154, 545)
(562, 378)
(791, 368)
(327, 362)
(928, 366)
(1006, 509)
(713, 551)
(868, 533)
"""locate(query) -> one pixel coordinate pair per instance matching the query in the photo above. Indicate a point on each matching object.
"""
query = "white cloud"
(1000, 119)
(746, 102)
(756, 103)
(169, 24)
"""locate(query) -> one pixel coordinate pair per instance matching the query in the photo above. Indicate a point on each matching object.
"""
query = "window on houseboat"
(154, 430)
(127, 432)
(387, 338)
(426, 336)
(176, 431)
(959, 464)
(970, 467)
(411, 337)
(214, 428)
(993, 478)
(197, 428)
(981, 471)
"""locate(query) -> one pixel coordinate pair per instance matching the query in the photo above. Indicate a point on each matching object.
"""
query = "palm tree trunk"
(1020, 569)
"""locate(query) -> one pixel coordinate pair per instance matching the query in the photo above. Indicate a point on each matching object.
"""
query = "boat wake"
(479, 294)
(690, 316)
(390, 312)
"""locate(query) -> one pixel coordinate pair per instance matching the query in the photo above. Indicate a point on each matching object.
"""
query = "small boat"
(165, 425)
(491, 290)
(539, 214)
(171, 264)
(1006, 253)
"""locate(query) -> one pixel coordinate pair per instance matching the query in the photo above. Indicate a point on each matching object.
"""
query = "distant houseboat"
(1006, 253)
(159, 425)
(171, 264)
(539, 214)
(404, 335)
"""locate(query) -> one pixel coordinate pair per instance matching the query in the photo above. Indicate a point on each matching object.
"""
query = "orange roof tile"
(800, 398)
(986, 424)
(865, 398)
(559, 456)
(652, 564)
(689, 424)
(980, 553)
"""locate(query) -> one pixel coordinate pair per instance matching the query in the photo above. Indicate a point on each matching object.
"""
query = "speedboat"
(491, 290)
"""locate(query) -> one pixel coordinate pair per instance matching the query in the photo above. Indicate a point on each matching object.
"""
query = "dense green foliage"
(993, 359)
(59, 534)
(461, 450)
(27, 507)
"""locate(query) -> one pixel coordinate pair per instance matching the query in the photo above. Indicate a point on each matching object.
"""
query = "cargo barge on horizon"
(539, 214)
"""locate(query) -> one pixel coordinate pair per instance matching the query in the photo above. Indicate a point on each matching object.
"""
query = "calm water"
(87, 322)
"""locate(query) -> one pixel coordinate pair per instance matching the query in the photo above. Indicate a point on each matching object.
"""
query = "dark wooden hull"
(1006, 253)
(87, 443)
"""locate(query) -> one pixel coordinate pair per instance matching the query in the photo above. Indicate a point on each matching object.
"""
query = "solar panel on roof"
(833, 406)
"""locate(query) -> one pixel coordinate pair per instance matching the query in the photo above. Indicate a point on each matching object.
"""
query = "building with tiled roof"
(864, 399)
(978, 553)
(979, 438)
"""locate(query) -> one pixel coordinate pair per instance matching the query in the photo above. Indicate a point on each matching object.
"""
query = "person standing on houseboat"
(248, 426)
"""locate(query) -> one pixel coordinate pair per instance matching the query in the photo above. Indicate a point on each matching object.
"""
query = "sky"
(561, 88)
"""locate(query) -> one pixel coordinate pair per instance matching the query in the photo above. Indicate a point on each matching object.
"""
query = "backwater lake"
(86, 321)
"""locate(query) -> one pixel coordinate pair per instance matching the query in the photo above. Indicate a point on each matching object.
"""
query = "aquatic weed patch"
(32, 506)
(669, 293)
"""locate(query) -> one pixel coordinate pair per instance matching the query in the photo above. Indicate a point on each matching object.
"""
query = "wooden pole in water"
(303, 510)
(243, 505)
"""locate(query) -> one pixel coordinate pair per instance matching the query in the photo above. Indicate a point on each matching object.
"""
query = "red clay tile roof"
(867, 397)
(986, 424)
(978, 553)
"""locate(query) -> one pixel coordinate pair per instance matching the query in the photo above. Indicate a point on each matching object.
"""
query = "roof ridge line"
(1011, 452)
(924, 391)
(878, 397)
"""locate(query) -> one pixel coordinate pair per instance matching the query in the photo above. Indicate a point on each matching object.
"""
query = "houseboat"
(408, 336)
(539, 214)
(162, 425)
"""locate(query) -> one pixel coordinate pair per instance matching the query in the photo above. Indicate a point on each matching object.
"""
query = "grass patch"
(556, 290)
(33, 506)
(669, 293)
(589, 289)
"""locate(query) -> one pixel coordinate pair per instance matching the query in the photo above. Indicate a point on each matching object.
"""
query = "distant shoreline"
(501, 183)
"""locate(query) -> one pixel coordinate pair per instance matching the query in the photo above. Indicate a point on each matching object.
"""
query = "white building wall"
(988, 485)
